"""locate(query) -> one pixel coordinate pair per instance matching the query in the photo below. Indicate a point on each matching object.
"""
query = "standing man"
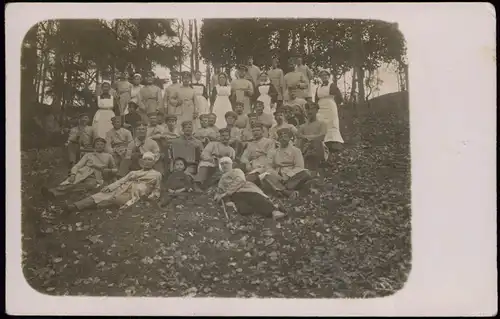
(301, 67)
(242, 90)
(295, 82)
(171, 89)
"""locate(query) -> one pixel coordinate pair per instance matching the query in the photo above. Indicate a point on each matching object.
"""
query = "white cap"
(148, 155)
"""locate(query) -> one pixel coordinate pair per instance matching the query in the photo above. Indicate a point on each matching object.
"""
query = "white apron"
(265, 98)
(222, 105)
(329, 114)
(102, 118)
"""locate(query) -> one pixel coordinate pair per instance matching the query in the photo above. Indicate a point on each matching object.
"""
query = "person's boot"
(277, 214)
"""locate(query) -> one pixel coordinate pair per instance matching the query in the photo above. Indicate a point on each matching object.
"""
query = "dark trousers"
(252, 203)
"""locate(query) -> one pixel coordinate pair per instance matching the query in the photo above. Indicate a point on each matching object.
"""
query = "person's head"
(287, 112)
(212, 119)
(204, 120)
(275, 62)
(257, 130)
(140, 131)
(225, 164)
(239, 107)
(186, 79)
(197, 76)
(263, 77)
(153, 119)
(252, 118)
(230, 118)
(279, 116)
(105, 88)
(83, 119)
(225, 135)
(259, 107)
(174, 76)
(284, 136)
(148, 160)
(160, 118)
(325, 76)
(291, 63)
(299, 60)
(150, 78)
(180, 164)
(171, 121)
(222, 79)
(292, 94)
(311, 110)
(136, 80)
(99, 144)
(187, 128)
(250, 61)
(120, 76)
(132, 107)
(242, 70)
(117, 122)
(173, 101)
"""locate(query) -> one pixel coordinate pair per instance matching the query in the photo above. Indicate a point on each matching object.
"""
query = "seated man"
(286, 173)
(136, 149)
(157, 133)
(242, 120)
(266, 119)
(133, 118)
(254, 159)
(295, 112)
(80, 139)
(187, 147)
(209, 163)
(280, 123)
(171, 129)
(127, 190)
(212, 119)
(117, 140)
(205, 133)
(87, 174)
(310, 137)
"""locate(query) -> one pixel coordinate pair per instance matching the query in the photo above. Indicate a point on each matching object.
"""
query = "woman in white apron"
(102, 118)
(136, 87)
(201, 97)
(267, 93)
(327, 97)
(220, 101)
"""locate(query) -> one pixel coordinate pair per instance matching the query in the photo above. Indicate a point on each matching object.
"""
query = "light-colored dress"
(328, 113)
(102, 118)
(123, 94)
(276, 77)
(238, 87)
(134, 93)
(187, 104)
(201, 101)
(296, 82)
(265, 97)
(221, 104)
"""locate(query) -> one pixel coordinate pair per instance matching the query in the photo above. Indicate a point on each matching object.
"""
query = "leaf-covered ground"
(350, 240)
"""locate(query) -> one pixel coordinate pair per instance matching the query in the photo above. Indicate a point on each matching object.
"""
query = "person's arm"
(111, 166)
(273, 93)
(282, 84)
(251, 90)
(316, 98)
(298, 159)
(130, 150)
(73, 135)
(140, 102)
(245, 157)
(310, 74)
(302, 82)
(337, 95)
(155, 193)
(109, 139)
(213, 96)
(206, 154)
(155, 149)
(205, 93)
(81, 163)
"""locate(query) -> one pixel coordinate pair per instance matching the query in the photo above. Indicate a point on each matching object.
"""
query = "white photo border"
(452, 63)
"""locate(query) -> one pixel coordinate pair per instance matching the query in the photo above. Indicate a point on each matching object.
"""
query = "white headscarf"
(224, 159)
(148, 155)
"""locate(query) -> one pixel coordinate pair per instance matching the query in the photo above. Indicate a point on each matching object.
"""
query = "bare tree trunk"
(283, 47)
(181, 30)
(197, 46)
(208, 77)
(191, 40)
(353, 87)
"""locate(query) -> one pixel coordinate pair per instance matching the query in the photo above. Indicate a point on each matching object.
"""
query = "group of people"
(257, 136)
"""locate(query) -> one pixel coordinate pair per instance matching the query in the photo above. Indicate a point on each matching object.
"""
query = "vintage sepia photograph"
(249, 158)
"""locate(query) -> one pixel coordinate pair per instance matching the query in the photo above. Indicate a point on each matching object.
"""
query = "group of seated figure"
(255, 156)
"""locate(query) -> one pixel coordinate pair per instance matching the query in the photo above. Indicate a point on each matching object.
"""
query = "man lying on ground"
(210, 159)
(87, 174)
(286, 174)
(127, 190)
(246, 196)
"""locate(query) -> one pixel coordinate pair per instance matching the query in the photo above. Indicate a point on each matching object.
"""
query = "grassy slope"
(352, 240)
